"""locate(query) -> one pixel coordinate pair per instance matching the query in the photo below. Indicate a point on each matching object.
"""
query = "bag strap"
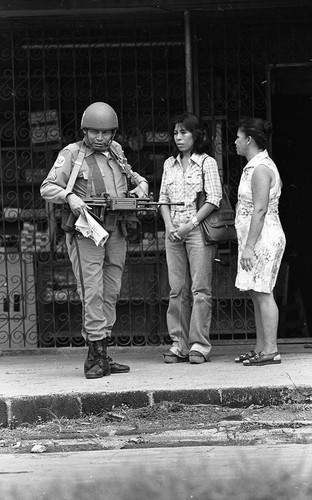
(203, 177)
(76, 167)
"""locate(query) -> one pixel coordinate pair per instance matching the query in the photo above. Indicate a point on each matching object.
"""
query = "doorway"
(290, 110)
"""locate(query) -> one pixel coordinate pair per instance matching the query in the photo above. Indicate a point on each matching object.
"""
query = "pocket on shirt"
(171, 189)
(194, 183)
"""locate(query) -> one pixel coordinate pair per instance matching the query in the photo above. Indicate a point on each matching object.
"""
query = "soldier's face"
(98, 139)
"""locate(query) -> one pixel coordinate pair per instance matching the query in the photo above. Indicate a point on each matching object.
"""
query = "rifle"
(125, 204)
(111, 210)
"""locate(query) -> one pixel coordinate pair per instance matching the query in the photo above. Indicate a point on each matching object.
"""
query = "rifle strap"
(123, 164)
(76, 167)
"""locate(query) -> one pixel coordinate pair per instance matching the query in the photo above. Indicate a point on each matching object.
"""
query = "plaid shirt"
(177, 186)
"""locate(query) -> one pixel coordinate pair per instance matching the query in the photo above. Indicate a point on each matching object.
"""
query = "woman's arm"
(165, 198)
(165, 212)
(261, 182)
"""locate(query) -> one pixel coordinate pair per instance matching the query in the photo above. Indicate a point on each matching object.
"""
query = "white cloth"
(90, 228)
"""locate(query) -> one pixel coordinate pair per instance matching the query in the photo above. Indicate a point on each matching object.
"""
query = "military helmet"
(99, 116)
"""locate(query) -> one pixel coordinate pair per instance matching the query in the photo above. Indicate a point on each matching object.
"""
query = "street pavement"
(212, 472)
(50, 382)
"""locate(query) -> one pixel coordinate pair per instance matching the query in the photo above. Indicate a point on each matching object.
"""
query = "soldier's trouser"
(98, 271)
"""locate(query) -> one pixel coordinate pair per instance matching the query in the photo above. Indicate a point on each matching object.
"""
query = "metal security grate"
(50, 71)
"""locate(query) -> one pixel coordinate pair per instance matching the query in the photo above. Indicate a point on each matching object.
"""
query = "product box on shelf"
(33, 240)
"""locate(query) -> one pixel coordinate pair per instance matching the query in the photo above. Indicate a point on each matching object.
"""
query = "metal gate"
(50, 72)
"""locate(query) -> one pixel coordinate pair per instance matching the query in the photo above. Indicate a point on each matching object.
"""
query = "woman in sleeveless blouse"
(261, 239)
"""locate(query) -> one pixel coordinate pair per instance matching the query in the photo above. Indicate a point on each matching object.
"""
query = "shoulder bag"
(219, 225)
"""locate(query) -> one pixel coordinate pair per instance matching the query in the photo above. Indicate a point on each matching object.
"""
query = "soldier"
(99, 165)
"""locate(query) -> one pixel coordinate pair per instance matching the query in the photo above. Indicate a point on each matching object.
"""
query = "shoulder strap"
(203, 177)
(76, 167)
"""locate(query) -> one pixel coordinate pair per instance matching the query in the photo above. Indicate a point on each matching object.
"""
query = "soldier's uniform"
(98, 270)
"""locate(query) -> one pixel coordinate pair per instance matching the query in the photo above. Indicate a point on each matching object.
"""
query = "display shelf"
(18, 320)
(156, 137)
(144, 286)
(13, 214)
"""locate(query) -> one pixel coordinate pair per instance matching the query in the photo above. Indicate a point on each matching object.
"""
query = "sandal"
(197, 357)
(274, 358)
(246, 356)
(170, 357)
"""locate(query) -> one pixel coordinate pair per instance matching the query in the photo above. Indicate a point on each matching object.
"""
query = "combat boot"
(97, 363)
(117, 367)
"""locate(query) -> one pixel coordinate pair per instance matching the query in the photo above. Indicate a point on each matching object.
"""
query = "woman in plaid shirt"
(189, 259)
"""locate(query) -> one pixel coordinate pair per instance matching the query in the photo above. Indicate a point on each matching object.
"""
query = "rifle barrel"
(165, 203)
(127, 202)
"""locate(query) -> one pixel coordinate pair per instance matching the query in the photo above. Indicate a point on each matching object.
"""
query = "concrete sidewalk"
(50, 383)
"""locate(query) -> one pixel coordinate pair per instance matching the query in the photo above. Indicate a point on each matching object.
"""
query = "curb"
(28, 409)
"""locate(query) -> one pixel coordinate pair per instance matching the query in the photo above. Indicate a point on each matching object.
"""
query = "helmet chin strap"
(111, 140)
(113, 137)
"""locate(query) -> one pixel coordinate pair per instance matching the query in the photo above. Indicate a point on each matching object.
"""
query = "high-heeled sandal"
(274, 358)
(245, 356)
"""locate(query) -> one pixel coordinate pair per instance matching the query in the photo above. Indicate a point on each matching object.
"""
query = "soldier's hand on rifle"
(77, 205)
(141, 191)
